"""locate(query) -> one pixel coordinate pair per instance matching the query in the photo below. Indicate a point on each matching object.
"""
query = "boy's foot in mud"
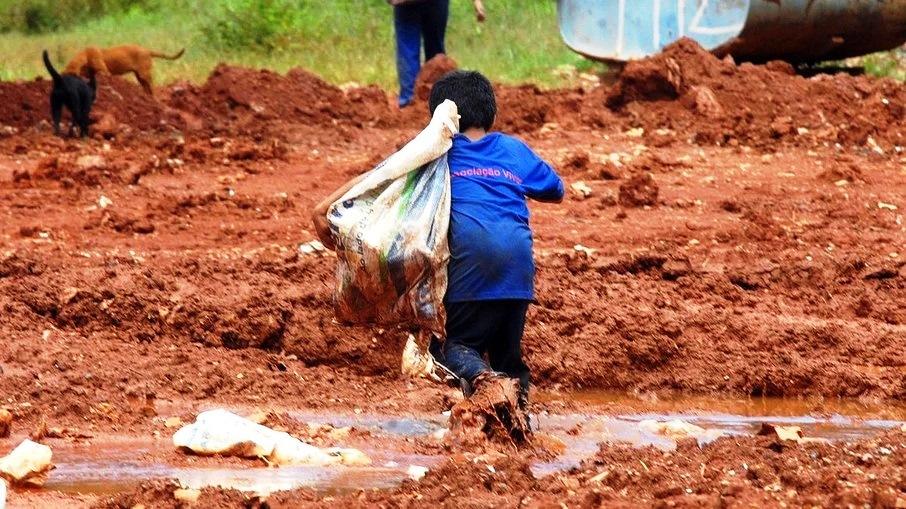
(492, 412)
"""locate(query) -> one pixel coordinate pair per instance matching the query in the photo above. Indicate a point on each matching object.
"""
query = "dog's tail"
(93, 81)
(53, 72)
(174, 56)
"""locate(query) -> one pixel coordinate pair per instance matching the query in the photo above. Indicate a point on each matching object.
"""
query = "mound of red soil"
(527, 108)
(236, 94)
(128, 104)
(432, 71)
(686, 88)
(26, 104)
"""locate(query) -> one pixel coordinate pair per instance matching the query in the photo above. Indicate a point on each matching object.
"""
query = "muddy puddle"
(109, 466)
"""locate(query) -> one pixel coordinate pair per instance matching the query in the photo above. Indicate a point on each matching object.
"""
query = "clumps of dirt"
(235, 97)
(639, 190)
(70, 169)
(688, 89)
(843, 171)
(492, 414)
(433, 70)
(24, 103)
(124, 102)
(749, 471)
(168, 494)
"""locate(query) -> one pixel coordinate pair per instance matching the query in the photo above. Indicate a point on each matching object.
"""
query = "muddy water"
(111, 467)
(114, 465)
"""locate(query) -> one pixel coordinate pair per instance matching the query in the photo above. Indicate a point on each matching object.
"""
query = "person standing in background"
(414, 21)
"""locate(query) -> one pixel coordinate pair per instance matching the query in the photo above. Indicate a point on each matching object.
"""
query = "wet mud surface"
(743, 238)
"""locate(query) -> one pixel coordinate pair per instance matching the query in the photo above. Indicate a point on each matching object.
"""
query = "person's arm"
(541, 182)
(479, 10)
(319, 214)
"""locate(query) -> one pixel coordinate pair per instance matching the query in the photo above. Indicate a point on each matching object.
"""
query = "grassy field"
(351, 41)
(341, 40)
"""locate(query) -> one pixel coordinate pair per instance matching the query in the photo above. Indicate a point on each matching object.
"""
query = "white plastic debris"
(28, 463)
(187, 495)
(677, 429)
(91, 161)
(223, 432)
(416, 472)
(581, 189)
(104, 202)
(312, 247)
(888, 206)
(636, 132)
(415, 363)
(587, 251)
(2, 494)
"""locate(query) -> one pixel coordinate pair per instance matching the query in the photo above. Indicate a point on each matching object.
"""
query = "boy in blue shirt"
(491, 271)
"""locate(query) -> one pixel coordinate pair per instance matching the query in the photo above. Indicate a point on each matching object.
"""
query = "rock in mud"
(580, 189)
(782, 433)
(639, 191)
(27, 464)
(187, 495)
(702, 100)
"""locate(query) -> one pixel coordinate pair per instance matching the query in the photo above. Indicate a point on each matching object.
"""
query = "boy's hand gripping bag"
(391, 234)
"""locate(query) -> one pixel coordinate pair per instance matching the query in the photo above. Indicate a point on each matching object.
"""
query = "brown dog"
(118, 60)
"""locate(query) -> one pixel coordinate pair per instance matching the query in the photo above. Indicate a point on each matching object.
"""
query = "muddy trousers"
(413, 22)
(491, 328)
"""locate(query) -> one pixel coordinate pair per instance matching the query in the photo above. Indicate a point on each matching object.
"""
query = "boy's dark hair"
(473, 95)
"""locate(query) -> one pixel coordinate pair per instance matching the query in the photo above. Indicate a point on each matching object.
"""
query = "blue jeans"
(413, 22)
(478, 328)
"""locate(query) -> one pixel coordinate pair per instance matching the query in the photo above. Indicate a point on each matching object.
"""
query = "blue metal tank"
(793, 30)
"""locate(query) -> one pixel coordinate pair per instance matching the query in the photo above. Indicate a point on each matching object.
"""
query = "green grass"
(341, 40)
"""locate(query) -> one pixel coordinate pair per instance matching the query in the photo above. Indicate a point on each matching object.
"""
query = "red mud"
(771, 262)
(432, 71)
(746, 472)
(688, 90)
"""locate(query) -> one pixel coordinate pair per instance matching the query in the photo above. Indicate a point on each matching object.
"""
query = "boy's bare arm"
(319, 214)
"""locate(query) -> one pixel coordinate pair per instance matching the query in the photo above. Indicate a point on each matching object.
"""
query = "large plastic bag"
(391, 234)
(223, 432)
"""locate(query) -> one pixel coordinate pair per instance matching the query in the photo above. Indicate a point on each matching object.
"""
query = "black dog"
(74, 93)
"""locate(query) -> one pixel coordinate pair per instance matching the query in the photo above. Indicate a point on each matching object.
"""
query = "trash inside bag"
(391, 234)
(223, 432)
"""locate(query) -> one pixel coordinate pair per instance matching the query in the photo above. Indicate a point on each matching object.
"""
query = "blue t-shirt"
(490, 239)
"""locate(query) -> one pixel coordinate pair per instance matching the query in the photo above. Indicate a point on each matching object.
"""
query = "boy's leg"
(407, 26)
(505, 350)
(434, 26)
(468, 329)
